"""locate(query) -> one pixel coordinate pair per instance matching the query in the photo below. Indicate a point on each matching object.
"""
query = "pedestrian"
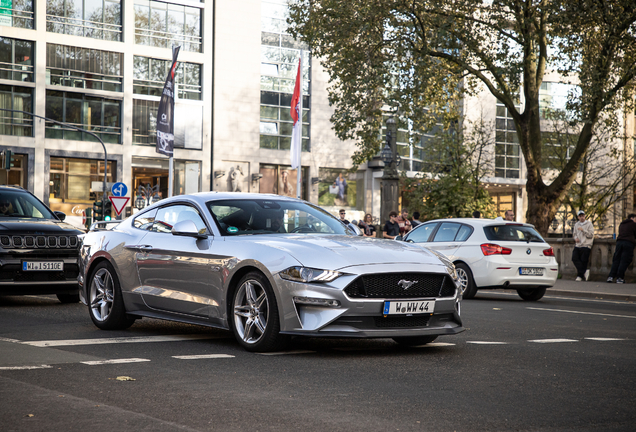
(509, 215)
(477, 214)
(369, 230)
(391, 228)
(342, 214)
(583, 234)
(404, 222)
(624, 252)
(416, 219)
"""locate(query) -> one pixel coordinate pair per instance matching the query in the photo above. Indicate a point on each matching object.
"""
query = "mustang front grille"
(401, 285)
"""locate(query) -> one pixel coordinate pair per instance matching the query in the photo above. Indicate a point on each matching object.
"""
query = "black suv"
(38, 252)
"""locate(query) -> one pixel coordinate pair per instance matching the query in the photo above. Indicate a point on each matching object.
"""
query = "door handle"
(143, 248)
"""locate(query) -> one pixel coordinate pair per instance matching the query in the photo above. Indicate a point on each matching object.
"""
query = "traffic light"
(108, 206)
(98, 210)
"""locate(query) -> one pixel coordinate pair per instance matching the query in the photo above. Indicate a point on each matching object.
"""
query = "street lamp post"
(389, 198)
(146, 195)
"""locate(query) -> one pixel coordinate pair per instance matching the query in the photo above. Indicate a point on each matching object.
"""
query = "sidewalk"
(596, 290)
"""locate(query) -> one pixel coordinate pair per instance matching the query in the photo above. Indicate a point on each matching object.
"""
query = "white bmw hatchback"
(491, 254)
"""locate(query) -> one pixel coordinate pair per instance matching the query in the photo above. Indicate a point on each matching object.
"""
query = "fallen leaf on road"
(125, 378)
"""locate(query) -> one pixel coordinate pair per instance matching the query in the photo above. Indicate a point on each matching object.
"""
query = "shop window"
(84, 68)
(16, 59)
(337, 187)
(20, 99)
(101, 116)
(282, 180)
(17, 13)
(16, 174)
(149, 76)
(164, 25)
(98, 19)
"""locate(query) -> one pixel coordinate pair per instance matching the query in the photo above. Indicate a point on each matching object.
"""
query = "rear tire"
(254, 316)
(68, 298)
(531, 294)
(414, 340)
(105, 302)
(466, 280)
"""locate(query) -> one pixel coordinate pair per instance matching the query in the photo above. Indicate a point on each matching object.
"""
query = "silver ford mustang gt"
(265, 267)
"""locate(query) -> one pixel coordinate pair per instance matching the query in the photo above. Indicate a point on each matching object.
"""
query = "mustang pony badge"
(406, 284)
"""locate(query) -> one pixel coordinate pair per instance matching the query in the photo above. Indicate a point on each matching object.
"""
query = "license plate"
(531, 271)
(42, 265)
(401, 307)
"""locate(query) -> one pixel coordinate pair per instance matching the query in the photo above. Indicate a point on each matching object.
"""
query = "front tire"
(531, 294)
(412, 341)
(466, 281)
(105, 302)
(255, 318)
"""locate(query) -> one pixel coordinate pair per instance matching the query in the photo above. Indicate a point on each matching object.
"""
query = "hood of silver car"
(337, 252)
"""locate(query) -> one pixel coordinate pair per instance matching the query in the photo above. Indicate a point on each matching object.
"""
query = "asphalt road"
(553, 365)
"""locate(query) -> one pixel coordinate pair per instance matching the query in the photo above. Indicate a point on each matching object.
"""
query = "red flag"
(295, 111)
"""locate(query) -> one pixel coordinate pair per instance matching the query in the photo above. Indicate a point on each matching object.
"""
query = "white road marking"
(100, 341)
(25, 367)
(8, 340)
(114, 361)
(581, 312)
(203, 356)
(436, 344)
(604, 339)
(552, 340)
(486, 343)
(287, 353)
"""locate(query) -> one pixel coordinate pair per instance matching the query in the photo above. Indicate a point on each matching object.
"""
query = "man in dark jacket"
(624, 252)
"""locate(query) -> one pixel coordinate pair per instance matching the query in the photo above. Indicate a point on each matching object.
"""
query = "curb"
(593, 295)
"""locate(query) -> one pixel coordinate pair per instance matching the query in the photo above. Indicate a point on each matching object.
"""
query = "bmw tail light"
(493, 249)
(548, 252)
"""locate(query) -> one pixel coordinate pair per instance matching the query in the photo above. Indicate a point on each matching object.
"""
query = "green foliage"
(421, 57)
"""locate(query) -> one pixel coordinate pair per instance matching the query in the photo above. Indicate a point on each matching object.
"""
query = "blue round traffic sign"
(119, 189)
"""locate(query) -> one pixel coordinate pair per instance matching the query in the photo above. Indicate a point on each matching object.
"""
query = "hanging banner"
(165, 114)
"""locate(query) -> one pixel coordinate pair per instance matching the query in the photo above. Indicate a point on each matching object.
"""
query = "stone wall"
(600, 259)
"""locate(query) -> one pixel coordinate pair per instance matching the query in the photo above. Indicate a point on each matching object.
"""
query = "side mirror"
(355, 229)
(400, 238)
(60, 215)
(187, 228)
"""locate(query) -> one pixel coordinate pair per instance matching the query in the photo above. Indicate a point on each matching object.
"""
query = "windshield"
(18, 204)
(512, 233)
(270, 216)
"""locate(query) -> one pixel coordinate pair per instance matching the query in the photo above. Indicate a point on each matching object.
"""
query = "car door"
(175, 271)
(444, 239)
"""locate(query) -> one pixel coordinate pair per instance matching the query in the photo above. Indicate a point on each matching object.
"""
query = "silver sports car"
(265, 267)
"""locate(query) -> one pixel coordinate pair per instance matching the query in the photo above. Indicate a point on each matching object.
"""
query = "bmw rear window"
(512, 233)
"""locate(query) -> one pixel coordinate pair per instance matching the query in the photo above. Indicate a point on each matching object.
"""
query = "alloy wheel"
(101, 295)
(251, 310)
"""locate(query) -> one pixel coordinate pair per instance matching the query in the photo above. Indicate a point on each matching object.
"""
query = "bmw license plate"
(42, 265)
(408, 307)
(531, 271)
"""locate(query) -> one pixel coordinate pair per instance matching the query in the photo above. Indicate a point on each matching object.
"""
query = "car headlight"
(450, 267)
(305, 274)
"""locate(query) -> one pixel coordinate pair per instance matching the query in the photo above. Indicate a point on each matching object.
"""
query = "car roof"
(480, 221)
(202, 198)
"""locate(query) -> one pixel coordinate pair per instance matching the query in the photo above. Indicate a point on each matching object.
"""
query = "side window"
(447, 232)
(145, 220)
(464, 232)
(422, 233)
(167, 217)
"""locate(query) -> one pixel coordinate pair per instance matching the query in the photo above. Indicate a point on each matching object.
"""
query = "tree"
(456, 161)
(413, 54)
(606, 173)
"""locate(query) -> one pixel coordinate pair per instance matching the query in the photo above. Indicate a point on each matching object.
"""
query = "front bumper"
(359, 317)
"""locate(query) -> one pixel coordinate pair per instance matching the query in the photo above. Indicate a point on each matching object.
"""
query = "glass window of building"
(77, 67)
(16, 13)
(149, 76)
(17, 172)
(16, 59)
(504, 201)
(99, 115)
(557, 149)
(164, 25)
(20, 99)
(98, 19)
(338, 187)
(553, 96)
(282, 180)
(279, 66)
(188, 123)
(507, 154)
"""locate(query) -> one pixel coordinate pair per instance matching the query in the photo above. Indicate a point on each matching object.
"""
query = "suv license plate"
(42, 265)
(531, 271)
(401, 307)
